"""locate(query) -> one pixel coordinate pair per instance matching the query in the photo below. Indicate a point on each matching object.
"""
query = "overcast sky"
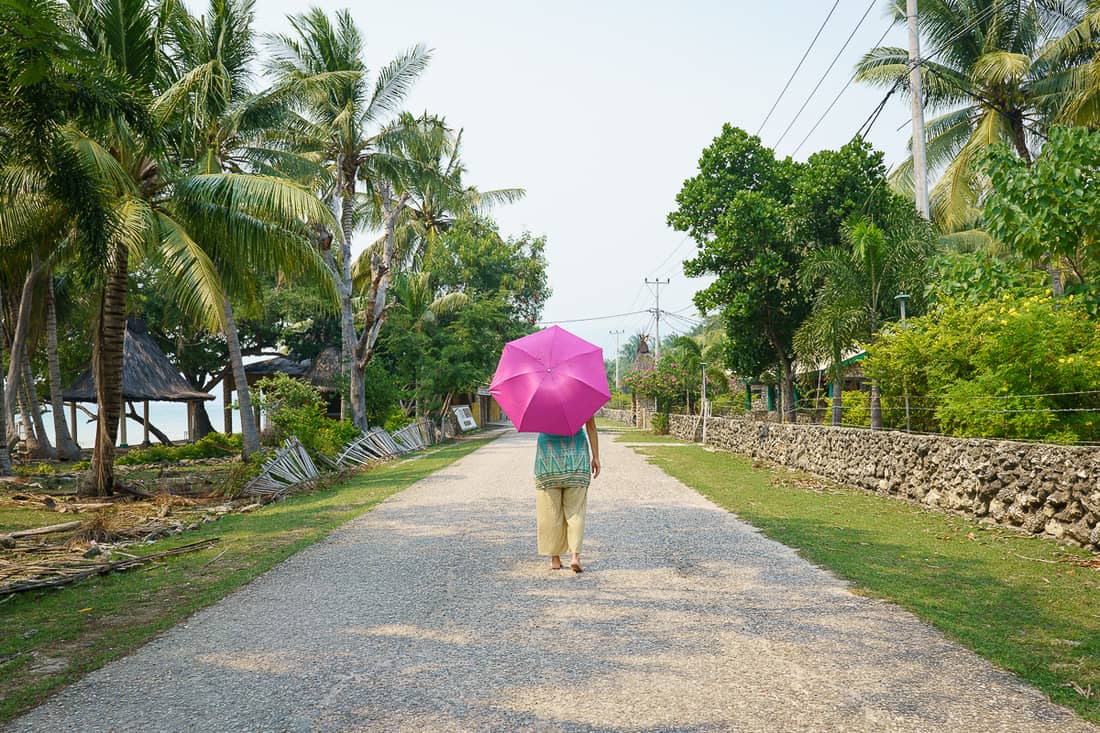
(600, 110)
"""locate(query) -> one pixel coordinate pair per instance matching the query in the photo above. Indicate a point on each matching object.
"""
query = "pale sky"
(600, 110)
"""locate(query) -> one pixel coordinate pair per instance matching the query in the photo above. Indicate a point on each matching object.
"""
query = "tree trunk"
(107, 354)
(790, 410)
(838, 402)
(15, 357)
(66, 447)
(876, 407)
(250, 433)
(380, 284)
(348, 337)
(42, 448)
(5, 456)
(203, 425)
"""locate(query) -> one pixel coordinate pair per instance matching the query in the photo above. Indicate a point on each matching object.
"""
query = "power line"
(796, 68)
(670, 254)
(839, 95)
(593, 318)
(827, 71)
(980, 18)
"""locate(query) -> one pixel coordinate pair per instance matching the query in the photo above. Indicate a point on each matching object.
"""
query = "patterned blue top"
(562, 461)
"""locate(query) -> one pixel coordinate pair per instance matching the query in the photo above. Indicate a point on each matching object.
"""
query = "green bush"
(296, 408)
(659, 422)
(214, 445)
(1016, 368)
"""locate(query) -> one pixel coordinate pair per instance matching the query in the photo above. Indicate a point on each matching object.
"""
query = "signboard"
(465, 417)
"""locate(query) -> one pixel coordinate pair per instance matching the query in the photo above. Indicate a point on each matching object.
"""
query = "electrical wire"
(796, 68)
(980, 18)
(593, 318)
(827, 71)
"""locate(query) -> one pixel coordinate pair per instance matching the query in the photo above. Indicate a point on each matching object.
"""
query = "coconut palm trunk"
(250, 434)
(107, 357)
(349, 339)
(18, 346)
(42, 447)
(65, 446)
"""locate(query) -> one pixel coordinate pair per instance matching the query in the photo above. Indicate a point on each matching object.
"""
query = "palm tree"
(218, 126)
(64, 445)
(854, 289)
(184, 220)
(344, 126)
(49, 80)
(983, 74)
(438, 197)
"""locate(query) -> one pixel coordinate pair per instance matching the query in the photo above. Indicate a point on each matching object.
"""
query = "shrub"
(659, 421)
(296, 408)
(213, 445)
(1015, 368)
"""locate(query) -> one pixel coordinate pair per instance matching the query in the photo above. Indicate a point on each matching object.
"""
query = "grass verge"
(1016, 600)
(51, 638)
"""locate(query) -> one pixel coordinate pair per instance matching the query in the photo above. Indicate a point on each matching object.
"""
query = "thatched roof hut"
(325, 371)
(147, 375)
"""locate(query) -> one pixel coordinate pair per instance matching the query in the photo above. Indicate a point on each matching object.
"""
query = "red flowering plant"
(664, 381)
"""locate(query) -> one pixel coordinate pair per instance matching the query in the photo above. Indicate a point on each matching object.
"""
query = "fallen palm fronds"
(290, 467)
(47, 574)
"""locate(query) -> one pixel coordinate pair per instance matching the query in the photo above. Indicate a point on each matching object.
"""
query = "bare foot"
(555, 562)
(575, 564)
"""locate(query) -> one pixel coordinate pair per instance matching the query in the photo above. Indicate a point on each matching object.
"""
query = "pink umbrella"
(550, 382)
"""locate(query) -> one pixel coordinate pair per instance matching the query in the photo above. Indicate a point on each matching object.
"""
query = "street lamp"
(617, 333)
(902, 299)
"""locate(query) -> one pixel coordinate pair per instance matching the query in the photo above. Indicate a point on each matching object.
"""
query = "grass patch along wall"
(1024, 603)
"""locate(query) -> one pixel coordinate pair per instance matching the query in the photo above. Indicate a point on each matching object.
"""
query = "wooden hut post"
(72, 421)
(145, 426)
(122, 426)
(190, 420)
(227, 404)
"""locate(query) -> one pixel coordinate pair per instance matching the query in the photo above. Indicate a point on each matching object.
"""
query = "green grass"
(82, 627)
(1018, 601)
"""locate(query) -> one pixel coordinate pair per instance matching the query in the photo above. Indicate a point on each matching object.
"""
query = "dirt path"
(433, 613)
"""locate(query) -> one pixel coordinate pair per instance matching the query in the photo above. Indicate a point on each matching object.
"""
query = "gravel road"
(432, 613)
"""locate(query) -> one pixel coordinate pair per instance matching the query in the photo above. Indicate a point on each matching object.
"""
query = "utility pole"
(617, 333)
(657, 311)
(920, 163)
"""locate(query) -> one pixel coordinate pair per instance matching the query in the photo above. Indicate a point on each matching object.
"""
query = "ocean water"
(170, 417)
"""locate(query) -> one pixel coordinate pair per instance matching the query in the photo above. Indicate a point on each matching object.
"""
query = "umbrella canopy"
(550, 382)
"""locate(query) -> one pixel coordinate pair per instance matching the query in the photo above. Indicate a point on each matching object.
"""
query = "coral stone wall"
(1043, 489)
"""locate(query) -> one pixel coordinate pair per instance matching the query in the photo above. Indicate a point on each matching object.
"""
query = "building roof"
(147, 374)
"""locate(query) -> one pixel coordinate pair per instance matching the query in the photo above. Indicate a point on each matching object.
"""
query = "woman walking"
(564, 465)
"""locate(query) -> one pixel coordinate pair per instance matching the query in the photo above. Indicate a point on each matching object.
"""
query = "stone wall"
(623, 416)
(1042, 489)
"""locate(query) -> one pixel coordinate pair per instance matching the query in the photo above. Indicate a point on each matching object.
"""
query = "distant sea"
(170, 417)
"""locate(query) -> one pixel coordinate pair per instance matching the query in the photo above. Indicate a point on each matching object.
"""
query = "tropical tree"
(438, 199)
(986, 80)
(854, 290)
(182, 219)
(346, 128)
(422, 305)
(218, 125)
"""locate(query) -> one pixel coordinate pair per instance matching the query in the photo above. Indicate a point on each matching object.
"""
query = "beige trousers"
(560, 517)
